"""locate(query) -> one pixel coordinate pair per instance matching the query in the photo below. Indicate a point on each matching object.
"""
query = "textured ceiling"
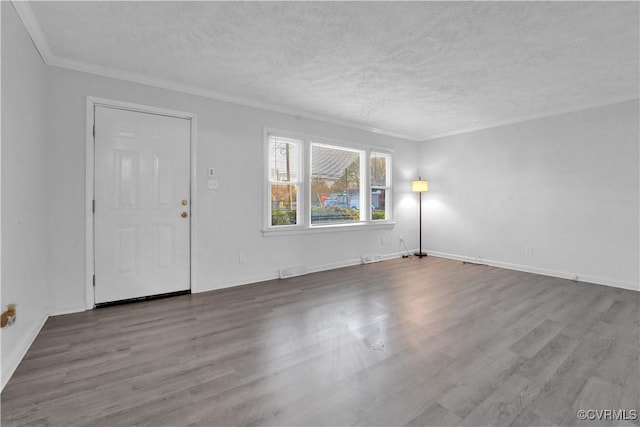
(414, 68)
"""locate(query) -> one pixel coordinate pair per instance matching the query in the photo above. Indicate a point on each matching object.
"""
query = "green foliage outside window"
(333, 214)
(377, 215)
(279, 217)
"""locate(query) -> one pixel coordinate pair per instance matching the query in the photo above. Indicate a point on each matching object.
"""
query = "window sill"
(319, 229)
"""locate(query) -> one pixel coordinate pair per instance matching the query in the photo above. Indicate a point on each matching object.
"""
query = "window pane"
(335, 185)
(283, 159)
(284, 204)
(378, 204)
(378, 170)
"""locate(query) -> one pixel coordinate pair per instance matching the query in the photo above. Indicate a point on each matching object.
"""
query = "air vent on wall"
(298, 270)
(368, 259)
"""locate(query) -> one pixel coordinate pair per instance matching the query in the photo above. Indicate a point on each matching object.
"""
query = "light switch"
(212, 172)
(213, 184)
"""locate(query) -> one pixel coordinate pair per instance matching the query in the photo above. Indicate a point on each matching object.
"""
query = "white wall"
(24, 233)
(230, 138)
(567, 185)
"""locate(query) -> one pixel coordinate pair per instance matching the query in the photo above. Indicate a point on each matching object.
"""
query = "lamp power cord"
(406, 254)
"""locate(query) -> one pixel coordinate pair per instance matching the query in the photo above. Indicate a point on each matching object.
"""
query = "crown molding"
(521, 119)
(198, 91)
(30, 22)
(33, 28)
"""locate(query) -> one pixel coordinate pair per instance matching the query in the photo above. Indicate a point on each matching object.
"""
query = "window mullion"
(305, 191)
(365, 177)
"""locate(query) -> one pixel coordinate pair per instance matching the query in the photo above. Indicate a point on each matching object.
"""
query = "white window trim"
(299, 183)
(304, 225)
(388, 203)
(362, 202)
(301, 201)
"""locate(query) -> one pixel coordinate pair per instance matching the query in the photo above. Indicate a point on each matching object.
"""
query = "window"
(380, 181)
(335, 185)
(312, 183)
(284, 180)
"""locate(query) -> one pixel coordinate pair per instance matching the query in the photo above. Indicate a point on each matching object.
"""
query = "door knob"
(184, 214)
(185, 202)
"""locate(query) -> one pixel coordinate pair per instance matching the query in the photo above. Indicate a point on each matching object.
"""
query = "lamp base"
(420, 254)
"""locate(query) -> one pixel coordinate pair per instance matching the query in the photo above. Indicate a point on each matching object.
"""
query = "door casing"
(92, 102)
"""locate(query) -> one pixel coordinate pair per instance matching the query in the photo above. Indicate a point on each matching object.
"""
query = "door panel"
(126, 179)
(142, 242)
(162, 174)
(126, 256)
(163, 243)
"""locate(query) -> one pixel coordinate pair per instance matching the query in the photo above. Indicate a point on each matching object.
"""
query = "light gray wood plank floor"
(402, 342)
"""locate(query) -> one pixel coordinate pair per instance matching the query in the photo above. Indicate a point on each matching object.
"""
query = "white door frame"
(92, 102)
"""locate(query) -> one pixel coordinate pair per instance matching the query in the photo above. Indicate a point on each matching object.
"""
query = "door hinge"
(94, 280)
(93, 206)
(94, 131)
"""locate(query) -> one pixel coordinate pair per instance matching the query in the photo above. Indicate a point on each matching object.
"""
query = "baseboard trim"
(394, 255)
(335, 265)
(349, 263)
(57, 311)
(275, 275)
(239, 282)
(604, 281)
(10, 367)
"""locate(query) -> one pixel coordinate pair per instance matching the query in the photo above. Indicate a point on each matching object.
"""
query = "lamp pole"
(420, 254)
(419, 187)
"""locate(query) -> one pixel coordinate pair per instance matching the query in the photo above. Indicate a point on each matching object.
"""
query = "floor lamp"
(420, 186)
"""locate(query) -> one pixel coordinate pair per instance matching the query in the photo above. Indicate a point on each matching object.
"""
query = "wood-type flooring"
(404, 342)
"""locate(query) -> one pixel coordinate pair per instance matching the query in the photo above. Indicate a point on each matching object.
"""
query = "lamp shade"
(420, 186)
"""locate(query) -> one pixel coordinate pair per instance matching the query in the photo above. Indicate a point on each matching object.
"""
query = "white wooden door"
(142, 204)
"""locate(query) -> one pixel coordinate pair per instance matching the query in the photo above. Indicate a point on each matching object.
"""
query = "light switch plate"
(212, 184)
(212, 172)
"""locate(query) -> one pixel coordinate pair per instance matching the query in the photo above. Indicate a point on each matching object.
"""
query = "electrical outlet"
(528, 250)
(383, 240)
(242, 257)
(9, 316)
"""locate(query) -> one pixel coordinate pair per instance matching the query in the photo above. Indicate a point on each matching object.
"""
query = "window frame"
(387, 187)
(299, 184)
(304, 198)
(362, 202)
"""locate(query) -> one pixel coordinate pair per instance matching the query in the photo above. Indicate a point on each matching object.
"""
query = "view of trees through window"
(379, 185)
(284, 180)
(335, 185)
